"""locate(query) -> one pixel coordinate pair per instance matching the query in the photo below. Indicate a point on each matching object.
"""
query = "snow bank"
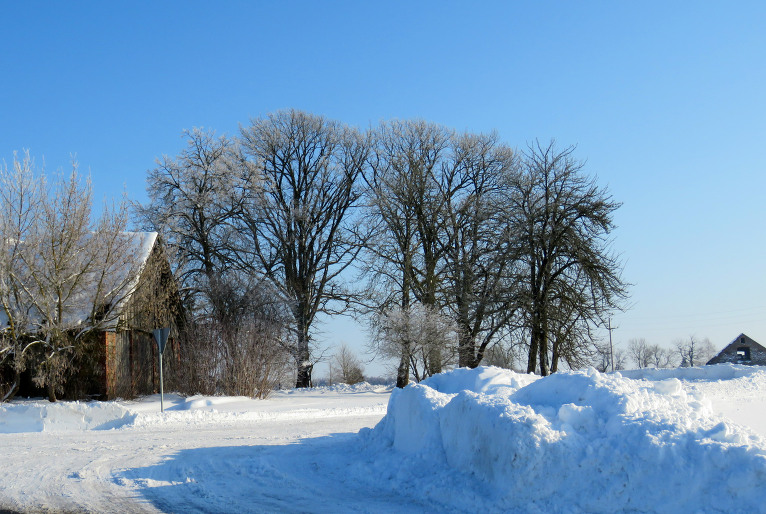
(706, 373)
(579, 441)
(34, 416)
(190, 412)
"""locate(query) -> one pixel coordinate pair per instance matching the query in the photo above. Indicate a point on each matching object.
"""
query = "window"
(743, 353)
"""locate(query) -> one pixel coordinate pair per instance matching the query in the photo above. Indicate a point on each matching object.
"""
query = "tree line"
(461, 243)
(689, 352)
(456, 249)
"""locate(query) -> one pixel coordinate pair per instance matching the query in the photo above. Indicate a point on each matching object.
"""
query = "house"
(743, 350)
(118, 356)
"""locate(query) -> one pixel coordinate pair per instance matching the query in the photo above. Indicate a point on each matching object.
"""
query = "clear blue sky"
(665, 100)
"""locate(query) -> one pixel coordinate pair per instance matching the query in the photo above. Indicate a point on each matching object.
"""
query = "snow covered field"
(686, 440)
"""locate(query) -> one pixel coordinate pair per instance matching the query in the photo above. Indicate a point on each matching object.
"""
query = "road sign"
(161, 336)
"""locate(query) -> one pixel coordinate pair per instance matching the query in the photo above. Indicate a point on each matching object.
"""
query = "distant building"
(742, 350)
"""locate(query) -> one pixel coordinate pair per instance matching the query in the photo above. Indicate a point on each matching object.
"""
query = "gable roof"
(749, 348)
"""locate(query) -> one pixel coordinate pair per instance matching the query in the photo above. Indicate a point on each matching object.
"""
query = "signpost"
(161, 336)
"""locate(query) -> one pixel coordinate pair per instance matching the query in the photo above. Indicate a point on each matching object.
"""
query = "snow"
(691, 440)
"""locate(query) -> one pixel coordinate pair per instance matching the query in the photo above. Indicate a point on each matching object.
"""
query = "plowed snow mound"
(540, 443)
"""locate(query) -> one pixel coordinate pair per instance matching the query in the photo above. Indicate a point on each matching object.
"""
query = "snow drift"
(579, 441)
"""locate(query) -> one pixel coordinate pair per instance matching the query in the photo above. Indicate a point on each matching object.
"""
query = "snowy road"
(188, 462)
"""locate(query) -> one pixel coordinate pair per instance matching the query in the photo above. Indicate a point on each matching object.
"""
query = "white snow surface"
(681, 440)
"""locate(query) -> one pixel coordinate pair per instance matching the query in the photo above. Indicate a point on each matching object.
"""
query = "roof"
(113, 289)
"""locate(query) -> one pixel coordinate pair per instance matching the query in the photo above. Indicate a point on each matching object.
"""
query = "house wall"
(132, 356)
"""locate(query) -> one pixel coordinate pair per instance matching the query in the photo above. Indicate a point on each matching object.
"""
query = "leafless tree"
(407, 207)
(695, 351)
(298, 225)
(240, 347)
(561, 222)
(477, 259)
(508, 352)
(660, 357)
(423, 328)
(65, 275)
(640, 353)
(194, 199)
(234, 333)
(346, 367)
(20, 197)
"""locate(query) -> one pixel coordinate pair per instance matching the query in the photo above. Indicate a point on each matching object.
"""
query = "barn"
(742, 350)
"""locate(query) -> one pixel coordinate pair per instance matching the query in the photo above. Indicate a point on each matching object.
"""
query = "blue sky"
(665, 100)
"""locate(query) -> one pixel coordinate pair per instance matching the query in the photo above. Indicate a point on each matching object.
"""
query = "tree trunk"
(544, 355)
(533, 343)
(302, 356)
(51, 393)
(403, 373)
(14, 387)
(555, 359)
(466, 347)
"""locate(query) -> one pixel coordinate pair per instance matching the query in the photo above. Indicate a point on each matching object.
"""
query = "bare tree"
(239, 349)
(235, 331)
(20, 196)
(477, 259)
(300, 234)
(407, 206)
(64, 275)
(423, 328)
(695, 351)
(561, 222)
(346, 366)
(194, 201)
(660, 357)
(640, 353)
(508, 352)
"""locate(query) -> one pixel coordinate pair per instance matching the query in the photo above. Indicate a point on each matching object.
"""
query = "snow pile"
(580, 441)
(34, 416)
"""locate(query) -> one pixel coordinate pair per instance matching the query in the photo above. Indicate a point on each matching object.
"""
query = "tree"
(660, 357)
(194, 200)
(561, 222)
(64, 274)
(422, 328)
(235, 328)
(346, 366)
(695, 351)
(640, 353)
(20, 197)
(239, 348)
(406, 206)
(477, 259)
(297, 223)
(507, 353)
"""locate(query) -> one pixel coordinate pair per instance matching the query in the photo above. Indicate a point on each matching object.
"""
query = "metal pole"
(611, 348)
(162, 392)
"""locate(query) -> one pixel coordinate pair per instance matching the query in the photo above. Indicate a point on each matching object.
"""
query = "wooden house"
(743, 350)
